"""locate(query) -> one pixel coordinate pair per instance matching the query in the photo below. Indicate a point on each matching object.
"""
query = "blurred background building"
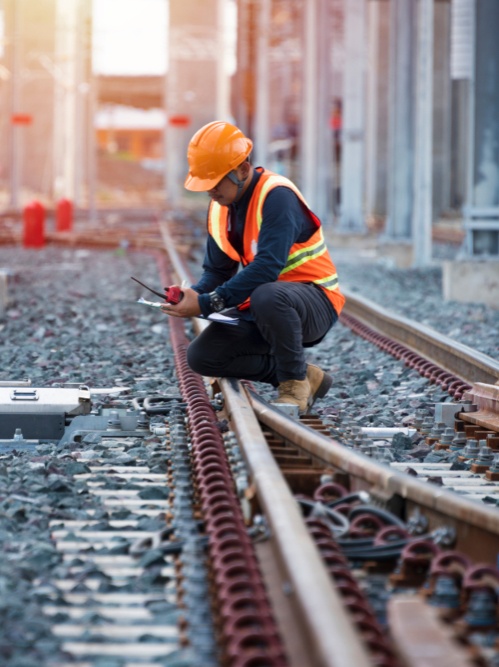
(383, 112)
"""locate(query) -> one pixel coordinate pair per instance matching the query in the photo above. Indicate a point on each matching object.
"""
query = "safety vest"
(307, 262)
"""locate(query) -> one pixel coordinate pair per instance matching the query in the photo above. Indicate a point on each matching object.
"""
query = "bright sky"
(1, 34)
(130, 36)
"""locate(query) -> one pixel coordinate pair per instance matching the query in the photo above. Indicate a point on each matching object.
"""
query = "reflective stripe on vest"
(274, 181)
(217, 229)
(305, 254)
(307, 262)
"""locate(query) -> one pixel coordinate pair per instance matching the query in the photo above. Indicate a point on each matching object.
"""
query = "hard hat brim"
(195, 184)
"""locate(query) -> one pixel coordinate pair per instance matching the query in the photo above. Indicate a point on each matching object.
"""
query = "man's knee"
(195, 358)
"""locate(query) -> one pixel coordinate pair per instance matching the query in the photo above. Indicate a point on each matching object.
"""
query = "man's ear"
(244, 170)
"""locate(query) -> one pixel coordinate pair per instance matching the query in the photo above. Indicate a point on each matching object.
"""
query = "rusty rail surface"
(316, 603)
(457, 359)
(469, 518)
(309, 588)
(331, 637)
(477, 526)
(312, 583)
(327, 635)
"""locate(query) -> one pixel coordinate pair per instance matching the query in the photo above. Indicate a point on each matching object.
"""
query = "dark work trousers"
(287, 317)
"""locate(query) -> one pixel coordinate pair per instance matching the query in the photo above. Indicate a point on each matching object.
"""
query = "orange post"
(34, 225)
(64, 216)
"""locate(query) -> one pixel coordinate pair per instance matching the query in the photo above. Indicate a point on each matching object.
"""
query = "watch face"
(217, 303)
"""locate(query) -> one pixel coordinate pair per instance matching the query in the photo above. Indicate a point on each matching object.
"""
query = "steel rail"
(332, 639)
(330, 635)
(458, 359)
(225, 525)
(486, 398)
(179, 267)
(443, 505)
(475, 525)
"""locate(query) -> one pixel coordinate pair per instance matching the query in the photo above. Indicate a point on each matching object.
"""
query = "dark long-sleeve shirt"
(284, 222)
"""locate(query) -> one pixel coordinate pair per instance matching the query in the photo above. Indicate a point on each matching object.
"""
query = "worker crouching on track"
(286, 293)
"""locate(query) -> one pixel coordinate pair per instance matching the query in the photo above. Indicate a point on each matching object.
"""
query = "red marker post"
(179, 120)
(21, 119)
(64, 216)
(34, 225)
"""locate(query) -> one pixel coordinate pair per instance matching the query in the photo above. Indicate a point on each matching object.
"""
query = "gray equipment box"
(40, 413)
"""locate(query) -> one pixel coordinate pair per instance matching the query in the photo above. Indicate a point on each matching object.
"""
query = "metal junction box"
(40, 413)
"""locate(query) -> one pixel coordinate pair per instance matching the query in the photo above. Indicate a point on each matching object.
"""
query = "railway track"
(446, 523)
(218, 530)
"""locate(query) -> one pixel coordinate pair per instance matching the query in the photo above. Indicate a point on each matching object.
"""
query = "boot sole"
(322, 389)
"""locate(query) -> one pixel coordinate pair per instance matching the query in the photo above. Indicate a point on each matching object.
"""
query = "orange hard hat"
(214, 151)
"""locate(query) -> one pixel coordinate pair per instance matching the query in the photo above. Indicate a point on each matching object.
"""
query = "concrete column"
(442, 109)
(475, 278)
(261, 134)
(13, 41)
(32, 63)
(422, 211)
(401, 119)
(84, 120)
(91, 151)
(4, 297)
(462, 22)
(243, 97)
(71, 64)
(352, 167)
(325, 149)
(316, 140)
(310, 93)
(222, 80)
(459, 142)
(193, 91)
(377, 107)
(482, 212)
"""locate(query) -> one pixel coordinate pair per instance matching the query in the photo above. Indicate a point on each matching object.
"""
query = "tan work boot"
(304, 393)
(320, 383)
(296, 392)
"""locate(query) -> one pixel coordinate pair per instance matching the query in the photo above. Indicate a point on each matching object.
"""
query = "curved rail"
(332, 639)
(456, 358)
(330, 636)
(476, 524)
(442, 506)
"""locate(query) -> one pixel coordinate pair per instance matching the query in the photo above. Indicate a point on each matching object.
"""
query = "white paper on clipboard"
(214, 317)
(151, 304)
(221, 319)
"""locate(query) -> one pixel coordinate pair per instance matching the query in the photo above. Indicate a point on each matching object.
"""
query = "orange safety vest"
(307, 262)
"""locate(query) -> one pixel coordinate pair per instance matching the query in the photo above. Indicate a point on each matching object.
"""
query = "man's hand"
(188, 307)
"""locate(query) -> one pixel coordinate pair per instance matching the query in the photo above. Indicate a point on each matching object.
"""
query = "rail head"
(331, 636)
(333, 453)
(459, 359)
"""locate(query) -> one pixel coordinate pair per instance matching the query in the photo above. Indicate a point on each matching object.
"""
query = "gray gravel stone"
(73, 317)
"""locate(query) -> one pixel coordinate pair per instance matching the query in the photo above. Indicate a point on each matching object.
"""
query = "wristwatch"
(216, 302)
